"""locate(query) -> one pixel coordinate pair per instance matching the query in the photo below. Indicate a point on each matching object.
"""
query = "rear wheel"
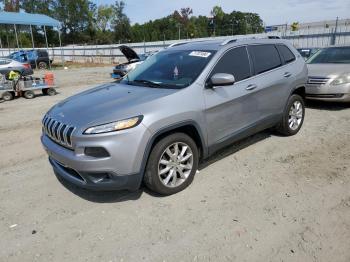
(172, 164)
(29, 94)
(42, 65)
(293, 117)
(51, 91)
(7, 96)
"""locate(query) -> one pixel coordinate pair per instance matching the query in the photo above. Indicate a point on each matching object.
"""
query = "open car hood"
(129, 53)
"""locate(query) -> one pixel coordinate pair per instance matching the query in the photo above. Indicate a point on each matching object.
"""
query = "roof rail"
(232, 40)
(187, 42)
(176, 44)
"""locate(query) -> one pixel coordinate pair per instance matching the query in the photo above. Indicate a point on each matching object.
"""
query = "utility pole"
(179, 31)
(334, 34)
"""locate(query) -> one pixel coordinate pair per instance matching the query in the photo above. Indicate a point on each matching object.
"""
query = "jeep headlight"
(340, 80)
(114, 126)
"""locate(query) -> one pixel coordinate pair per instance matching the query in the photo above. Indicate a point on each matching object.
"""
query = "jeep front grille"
(317, 80)
(59, 132)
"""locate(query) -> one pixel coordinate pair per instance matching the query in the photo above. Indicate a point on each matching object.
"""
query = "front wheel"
(293, 117)
(29, 94)
(172, 164)
(7, 96)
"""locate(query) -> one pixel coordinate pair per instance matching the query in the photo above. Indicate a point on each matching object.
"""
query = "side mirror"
(221, 79)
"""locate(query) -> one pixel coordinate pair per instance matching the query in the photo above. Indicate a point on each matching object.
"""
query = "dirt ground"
(267, 198)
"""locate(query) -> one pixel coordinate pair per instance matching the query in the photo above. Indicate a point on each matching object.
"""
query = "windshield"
(338, 55)
(170, 69)
(19, 56)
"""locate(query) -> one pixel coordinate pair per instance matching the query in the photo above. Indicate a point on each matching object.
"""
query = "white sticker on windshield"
(200, 54)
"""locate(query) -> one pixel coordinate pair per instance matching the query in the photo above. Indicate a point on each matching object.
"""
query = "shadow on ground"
(101, 196)
(330, 106)
(121, 196)
(235, 147)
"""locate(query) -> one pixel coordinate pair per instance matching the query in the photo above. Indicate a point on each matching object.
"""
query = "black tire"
(43, 65)
(44, 91)
(151, 178)
(7, 96)
(284, 126)
(51, 91)
(29, 94)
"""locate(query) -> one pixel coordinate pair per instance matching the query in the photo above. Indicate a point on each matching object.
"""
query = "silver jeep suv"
(174, 110)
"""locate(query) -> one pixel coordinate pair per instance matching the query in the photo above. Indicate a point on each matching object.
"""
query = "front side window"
(235, 62)
(286, 54)
(336, 55)
(265, 58)
(170, 69)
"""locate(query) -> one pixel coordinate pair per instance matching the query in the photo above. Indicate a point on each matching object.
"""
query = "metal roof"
(11, 18)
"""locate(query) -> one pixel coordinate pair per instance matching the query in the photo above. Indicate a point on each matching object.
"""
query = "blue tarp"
(11, 18)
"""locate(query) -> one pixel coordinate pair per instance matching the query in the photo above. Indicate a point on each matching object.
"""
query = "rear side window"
(265, 57)
(42, 54)
(286, 54)
(4, 61)
(234, 62)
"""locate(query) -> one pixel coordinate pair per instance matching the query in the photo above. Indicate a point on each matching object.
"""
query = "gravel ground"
(267, 198)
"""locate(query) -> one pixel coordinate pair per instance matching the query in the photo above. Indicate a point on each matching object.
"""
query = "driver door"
(231, 109)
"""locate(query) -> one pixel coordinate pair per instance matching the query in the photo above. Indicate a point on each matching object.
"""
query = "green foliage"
(104, 17)
(85, 23)
(121, 23)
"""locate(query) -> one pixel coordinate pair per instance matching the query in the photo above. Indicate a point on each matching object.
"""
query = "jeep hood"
(107, 103)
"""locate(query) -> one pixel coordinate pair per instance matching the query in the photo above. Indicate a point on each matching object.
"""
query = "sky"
(272, 12)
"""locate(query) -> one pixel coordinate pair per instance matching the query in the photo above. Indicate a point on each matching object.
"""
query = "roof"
(12, 18)
(216, 45)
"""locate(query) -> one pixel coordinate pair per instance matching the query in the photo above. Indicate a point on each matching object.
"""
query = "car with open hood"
(133, 60)
(329, 75)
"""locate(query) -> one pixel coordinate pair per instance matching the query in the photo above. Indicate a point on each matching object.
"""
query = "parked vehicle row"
(172, 111)
(36, 58)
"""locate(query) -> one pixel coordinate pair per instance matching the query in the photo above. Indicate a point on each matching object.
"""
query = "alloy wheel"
(296, 114)
(175, 164)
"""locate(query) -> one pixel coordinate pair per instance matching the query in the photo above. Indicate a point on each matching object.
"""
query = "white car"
(329, 75)
(7, 65)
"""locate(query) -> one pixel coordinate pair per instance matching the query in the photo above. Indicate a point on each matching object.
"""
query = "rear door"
(231, 109)
(272, 78)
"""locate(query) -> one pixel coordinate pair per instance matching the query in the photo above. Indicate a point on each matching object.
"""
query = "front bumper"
(118, 73)
(122, 169)
(97, 181)
(328, 92)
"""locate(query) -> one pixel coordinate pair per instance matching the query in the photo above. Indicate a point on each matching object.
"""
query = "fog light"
(98, 152)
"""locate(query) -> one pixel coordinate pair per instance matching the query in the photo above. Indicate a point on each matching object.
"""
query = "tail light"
(27, 66)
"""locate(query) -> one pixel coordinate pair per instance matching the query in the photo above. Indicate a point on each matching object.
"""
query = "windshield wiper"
(147, 82)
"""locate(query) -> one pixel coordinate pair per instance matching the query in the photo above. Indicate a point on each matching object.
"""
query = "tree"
(105, 15)
(217, 12)
(11, 5)
(37, 6)
(121, 23)
(76, 18)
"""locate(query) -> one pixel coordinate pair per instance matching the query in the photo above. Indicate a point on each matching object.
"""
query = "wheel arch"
(299, 90)
(189, 127)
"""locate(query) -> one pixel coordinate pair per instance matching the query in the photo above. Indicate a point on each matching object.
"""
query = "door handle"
(251, 87)
(287, 74)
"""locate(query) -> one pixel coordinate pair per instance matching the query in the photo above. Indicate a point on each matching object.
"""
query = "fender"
(167, 129)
